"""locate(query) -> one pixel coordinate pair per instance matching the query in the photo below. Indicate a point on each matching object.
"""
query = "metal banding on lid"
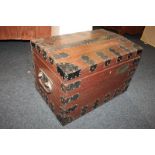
(126, 50)
(89, 50)
(105, 58)
(119, 57)
(114, 51)
(89, 61)
(102, 55)
(79, 43)
(60, 55)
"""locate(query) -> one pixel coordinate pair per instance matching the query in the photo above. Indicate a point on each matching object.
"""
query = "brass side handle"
(45, 81)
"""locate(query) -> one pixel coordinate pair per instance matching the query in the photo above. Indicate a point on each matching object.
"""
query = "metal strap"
(102, 55)
(119, 57)
(60, 55)
(114, 52)
(125, 49)
(70, 99)
(80, 43)
(89, 61)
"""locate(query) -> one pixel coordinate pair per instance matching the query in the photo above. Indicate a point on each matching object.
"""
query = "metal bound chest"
(78, 72)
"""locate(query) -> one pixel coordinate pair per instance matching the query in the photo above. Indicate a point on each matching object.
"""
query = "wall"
(149, 35)
(73, 29)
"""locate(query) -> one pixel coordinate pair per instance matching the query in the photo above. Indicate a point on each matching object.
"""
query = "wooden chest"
(78, 72)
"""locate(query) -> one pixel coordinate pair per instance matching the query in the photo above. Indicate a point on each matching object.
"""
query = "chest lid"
(73, 53)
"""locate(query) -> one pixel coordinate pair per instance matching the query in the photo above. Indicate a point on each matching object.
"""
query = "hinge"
(93, 67)
(119, 57)
(107, 62)
(90, 62)
(105, 58)
(127, 50)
